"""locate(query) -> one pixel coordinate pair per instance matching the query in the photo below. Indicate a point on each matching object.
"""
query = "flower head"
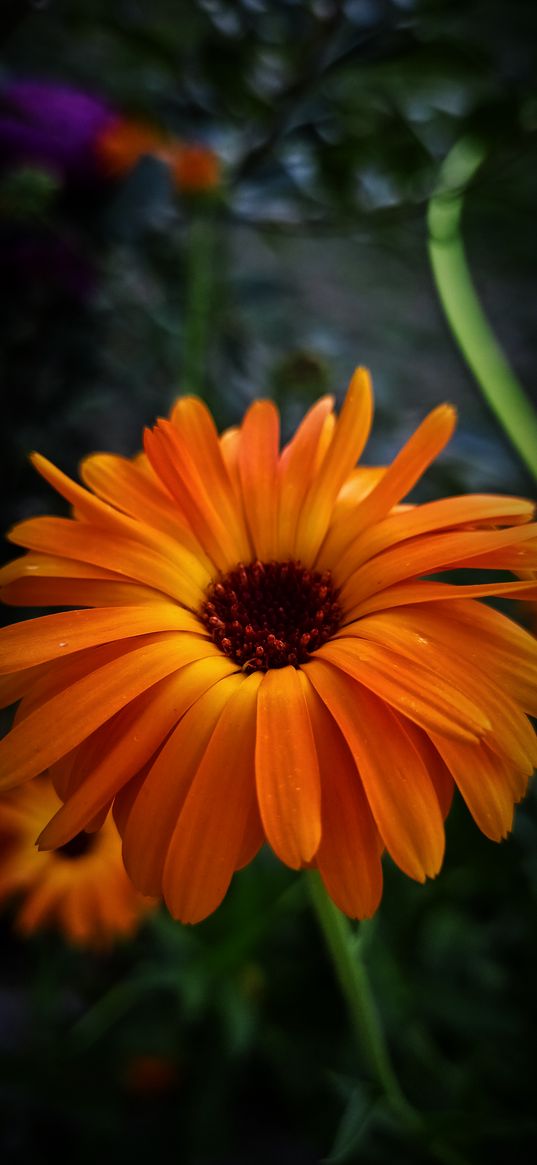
(267, 654)
(81, 888)
(194, 167)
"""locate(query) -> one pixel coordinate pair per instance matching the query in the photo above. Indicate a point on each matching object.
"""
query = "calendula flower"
(80, 889)
(267, 655)
(194, 167)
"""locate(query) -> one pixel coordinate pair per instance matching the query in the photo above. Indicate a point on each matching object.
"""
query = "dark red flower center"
(271, 614)
(78, 846)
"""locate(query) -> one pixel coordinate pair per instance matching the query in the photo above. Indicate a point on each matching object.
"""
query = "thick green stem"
(199, 276)
(465, 315)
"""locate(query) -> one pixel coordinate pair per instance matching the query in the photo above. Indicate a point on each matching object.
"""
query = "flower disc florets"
(271, 614)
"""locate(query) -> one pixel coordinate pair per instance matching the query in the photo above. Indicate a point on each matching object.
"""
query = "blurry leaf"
(361, 1107)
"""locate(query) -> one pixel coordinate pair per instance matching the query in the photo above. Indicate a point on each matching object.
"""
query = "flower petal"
(350, 435)
(182, 576)
(426, 555)
(207, 840)
(470, 510)
(296, 467)
(155, 811)
(396, 782)
(480, 776)
(31, 747)
(418, 693)
(37, 640)
(348, 858)
(421, 642)
(137, 734)
(258, 468)
(422, 591)
(287, 768)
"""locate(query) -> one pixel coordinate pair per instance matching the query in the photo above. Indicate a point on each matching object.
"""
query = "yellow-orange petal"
(138, 731)
(397, 785)
(426, 555)
(480, 778)
(421, 591)
(31, 747)
(185, 579)
(198, 442)
(469, 632)
(350, 435)
(348, 858)
(296, 467)
(510, 731)
(419, 693)
(154, 814)
(471, 510)
(287, 767)
(125, 485)
(37, 640)
(421, 449)
(207, 840)
(258, 468)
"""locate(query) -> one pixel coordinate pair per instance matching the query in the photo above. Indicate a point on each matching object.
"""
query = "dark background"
(331, 121)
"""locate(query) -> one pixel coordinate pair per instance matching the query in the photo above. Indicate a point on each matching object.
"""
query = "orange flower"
(263, 658)
(81, 888)
(194, 167)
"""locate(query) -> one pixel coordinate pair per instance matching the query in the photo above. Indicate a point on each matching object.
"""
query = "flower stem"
(465, 315)
(352, 975)
(351, 972)
(199, 276)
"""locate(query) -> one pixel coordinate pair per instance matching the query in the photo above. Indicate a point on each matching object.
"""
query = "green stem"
(352, 976)
(465, 315)
(351, 972)
(199, 276)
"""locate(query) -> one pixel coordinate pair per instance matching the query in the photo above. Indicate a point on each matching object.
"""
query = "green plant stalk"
(464, 313)
(351, 972)
(352, 976)
(199, 278)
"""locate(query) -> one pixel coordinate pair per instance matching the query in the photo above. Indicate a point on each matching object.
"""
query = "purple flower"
(52, 126)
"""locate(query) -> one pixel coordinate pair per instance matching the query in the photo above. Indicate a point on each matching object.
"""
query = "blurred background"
(231, 199)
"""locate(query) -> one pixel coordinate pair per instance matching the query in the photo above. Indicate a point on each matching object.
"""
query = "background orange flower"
(81, 888)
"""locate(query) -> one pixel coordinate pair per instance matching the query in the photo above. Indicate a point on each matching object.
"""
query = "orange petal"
(152, 819)
(426, 555)
(136, 735)
(297, 464)
(421, 449)
(207, 839)
(350, 436)
(258, 468)
(99, 513)
(427, 592)
(31, 747)
(287, 768)
(212, 514)
(34, 591)
(470, 632)
(182, 576)
(422, 644)
(480, 777)
(396, 782)
(124, 485)
(417, 692)
(466, 511)
(348, 858)
(37, 640)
